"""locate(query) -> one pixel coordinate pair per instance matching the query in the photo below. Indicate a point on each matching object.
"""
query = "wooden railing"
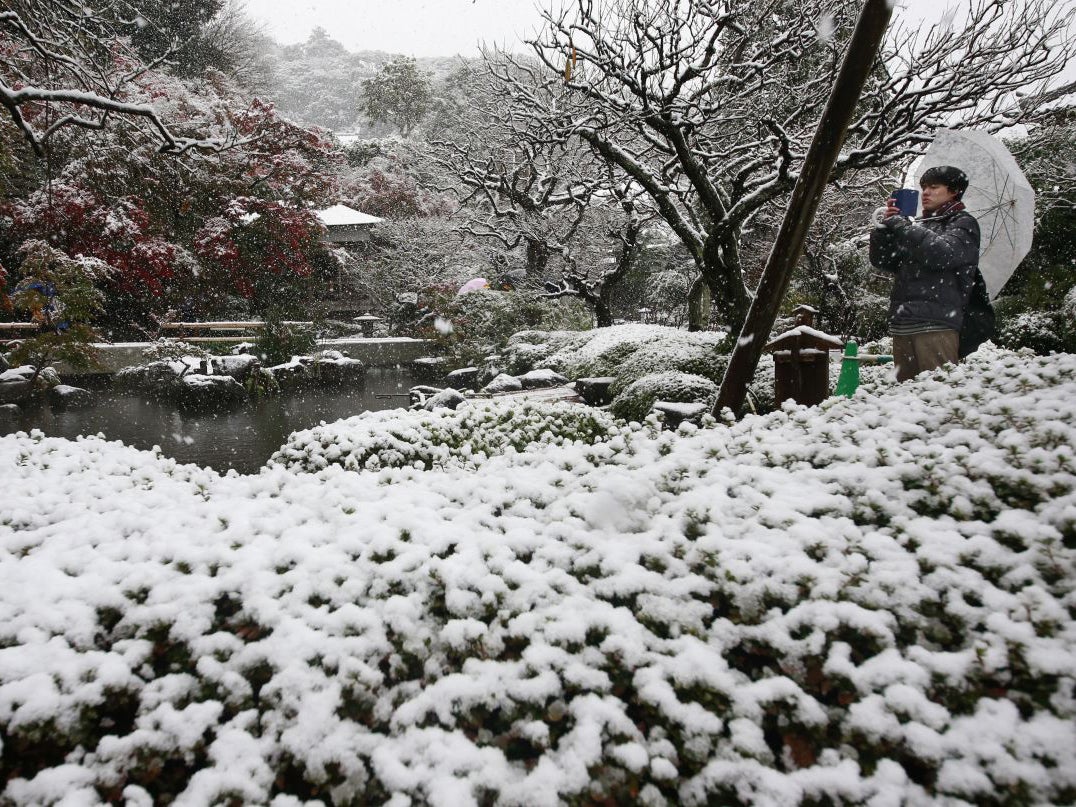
(182, 330)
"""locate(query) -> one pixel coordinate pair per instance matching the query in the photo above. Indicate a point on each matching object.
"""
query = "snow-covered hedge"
(603, 351)
(464, 437)
(1042, 331)
(637, 398)
(871, 602)
(628, 353)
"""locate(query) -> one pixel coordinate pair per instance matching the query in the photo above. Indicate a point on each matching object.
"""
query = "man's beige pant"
(924, 351)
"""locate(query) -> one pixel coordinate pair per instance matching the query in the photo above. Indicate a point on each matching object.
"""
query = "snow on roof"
(344, 216)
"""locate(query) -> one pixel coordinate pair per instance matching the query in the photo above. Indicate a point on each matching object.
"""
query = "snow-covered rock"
(538, 379)
(14, 389)
(239, 366)
(9, 412)
(325, 367)
(208, 392)
(65, 396)
(503, 383)
(447, 398)
(463, 378)
(156, 378)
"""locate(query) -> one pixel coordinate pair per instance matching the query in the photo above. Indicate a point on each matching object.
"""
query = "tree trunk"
(603, 312)
(723, 275)
(537, 259)
(698, 305)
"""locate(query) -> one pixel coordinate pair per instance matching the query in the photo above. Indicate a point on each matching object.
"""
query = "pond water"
(243, 439)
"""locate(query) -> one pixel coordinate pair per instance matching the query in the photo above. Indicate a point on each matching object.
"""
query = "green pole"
(848, 380)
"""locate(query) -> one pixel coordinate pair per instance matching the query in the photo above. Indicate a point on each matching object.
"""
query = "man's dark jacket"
(936, 263)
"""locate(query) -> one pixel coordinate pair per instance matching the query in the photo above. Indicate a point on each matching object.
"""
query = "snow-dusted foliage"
(866, 602)
(697, 357)
(636, 399)
(602, 351)
(445, 438)
(1042, 331)
(628, 353)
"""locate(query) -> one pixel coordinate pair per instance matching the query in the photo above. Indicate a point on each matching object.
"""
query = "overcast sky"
(430, 27)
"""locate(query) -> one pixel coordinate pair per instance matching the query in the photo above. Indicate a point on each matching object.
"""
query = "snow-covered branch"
(63, 64)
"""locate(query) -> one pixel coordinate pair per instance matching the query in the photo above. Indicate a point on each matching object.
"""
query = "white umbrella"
(998, 195)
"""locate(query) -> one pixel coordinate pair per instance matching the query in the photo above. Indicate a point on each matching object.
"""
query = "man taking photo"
(935, 260)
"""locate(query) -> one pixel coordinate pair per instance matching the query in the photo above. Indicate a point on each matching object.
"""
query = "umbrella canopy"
(998, 195)
(473, 285)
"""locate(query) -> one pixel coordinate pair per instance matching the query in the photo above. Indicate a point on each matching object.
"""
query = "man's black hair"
(952, 178)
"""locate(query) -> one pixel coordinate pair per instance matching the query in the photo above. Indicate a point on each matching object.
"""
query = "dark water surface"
(243, 439)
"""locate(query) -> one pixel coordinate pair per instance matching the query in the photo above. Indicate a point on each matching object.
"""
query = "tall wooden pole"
(817, 165)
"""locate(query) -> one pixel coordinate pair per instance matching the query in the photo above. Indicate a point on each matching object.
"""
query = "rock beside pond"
(206, 392)
(333, 367)
(156, 379)
(420, 393)
(65, 396)
(238, 367)
(429, 368)
(15, 384)
(540, 379)
(463, 378)
(445, 399)
(327, 367)
(503, 383)
(14, 390)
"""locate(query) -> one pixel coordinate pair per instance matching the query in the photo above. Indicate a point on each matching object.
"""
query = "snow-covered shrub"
(603, 351)
(529, 350)
(637, 398)
(1042, 331)
(1068, 308)
(464, 437)
(705, 359)
(866, 602)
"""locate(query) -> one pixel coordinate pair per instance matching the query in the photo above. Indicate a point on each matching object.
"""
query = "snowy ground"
(871, 602)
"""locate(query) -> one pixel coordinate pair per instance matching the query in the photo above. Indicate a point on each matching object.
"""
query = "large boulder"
(463, 378)
(420, 393)
(65, 396)
(15, 384)
(326, 367)
(333, 367)
(428, 369)
(445, 399)
(208, 392)
(503, 383)
(540, 379)
(158, 378)
(238, 367)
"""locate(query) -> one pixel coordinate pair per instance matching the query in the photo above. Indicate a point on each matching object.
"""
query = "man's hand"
(891, 208)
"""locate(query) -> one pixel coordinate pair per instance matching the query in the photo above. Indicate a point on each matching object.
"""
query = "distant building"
(346, 225)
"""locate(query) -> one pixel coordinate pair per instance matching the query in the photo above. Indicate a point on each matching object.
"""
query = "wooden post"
(817, 165)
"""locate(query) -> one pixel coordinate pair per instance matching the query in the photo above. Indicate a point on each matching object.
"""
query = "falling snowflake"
(825, 28)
